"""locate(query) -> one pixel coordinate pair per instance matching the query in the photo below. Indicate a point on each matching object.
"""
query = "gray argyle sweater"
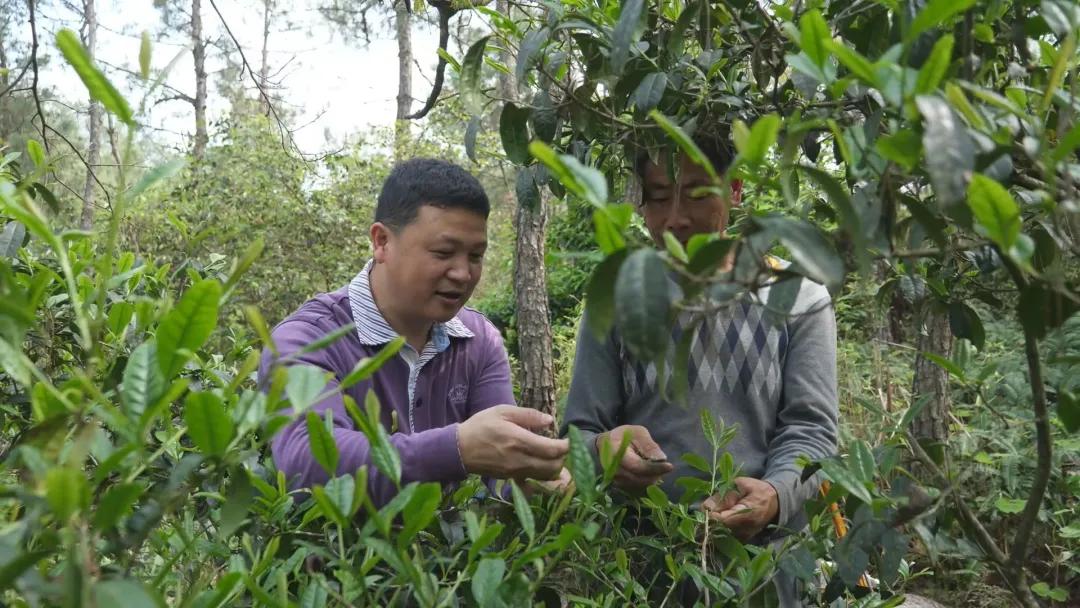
(773, 376)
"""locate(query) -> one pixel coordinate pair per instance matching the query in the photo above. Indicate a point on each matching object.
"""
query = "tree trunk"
(264, 69)
(537, 379)
(93, 146)
(931, 426)
(403, 24)
(198, 51)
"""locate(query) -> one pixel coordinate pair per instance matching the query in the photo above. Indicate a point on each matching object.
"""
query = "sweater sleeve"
(595, 400)
(430, 455)
(807, 417)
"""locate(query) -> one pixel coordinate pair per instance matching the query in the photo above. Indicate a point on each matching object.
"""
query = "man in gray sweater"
(773, 378)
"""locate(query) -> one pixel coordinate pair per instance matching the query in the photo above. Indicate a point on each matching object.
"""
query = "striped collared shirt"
(373, 330)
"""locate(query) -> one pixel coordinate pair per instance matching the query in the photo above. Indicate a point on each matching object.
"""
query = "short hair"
(717, 148)
(428, 181)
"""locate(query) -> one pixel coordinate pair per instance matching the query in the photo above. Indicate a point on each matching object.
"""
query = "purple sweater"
(472, 374)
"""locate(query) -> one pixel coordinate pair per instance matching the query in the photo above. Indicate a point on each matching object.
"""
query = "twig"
(89, 168)
(34, 83)
(15, 82)
(446, 11)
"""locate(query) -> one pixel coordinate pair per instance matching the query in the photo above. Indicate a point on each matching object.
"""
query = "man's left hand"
(747, 509)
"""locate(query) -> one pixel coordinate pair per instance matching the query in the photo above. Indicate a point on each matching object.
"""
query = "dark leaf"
(650, 91)
(514, 132)
(965, 323)
(625, 33)
(600, 295)
(950, 153)
(642, 304)
(471, 66)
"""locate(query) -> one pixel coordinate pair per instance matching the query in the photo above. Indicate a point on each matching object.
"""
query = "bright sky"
(352, 87)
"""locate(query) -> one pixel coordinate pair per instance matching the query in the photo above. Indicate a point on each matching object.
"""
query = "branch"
(15, 82)
(34, 84)
(89, 168)
(1043, 444)
(445, 12)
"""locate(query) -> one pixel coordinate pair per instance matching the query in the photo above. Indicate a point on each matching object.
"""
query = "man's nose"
(677, 218)
(459, 270)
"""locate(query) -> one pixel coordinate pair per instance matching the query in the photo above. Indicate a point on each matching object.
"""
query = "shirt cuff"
(785, 483)
(441, 457)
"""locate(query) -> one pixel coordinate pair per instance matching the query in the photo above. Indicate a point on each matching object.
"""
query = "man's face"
(433, 263)
(673, 207)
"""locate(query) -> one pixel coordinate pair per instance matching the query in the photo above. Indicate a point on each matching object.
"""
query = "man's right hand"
(499, 442)
(643, 463)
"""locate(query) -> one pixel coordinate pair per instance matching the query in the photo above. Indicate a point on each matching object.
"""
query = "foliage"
(954, 166)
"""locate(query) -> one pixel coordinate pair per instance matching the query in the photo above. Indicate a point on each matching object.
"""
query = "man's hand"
(643, 463)
(747, 509)
(499, 442)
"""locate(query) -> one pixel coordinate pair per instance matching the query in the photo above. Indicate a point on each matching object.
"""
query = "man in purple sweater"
(449, 387)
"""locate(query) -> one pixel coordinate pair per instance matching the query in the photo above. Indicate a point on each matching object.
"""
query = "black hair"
(717, 148)
(428, 181)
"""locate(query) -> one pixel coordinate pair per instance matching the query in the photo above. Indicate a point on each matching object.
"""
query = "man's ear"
(380, 239)
(736, 192)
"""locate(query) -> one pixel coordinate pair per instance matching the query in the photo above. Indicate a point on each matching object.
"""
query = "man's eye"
(443, 254)
(476, 258)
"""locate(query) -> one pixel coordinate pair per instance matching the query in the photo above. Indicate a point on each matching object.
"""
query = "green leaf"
(585, 182)
(995, 210)
(1069, 142)
(685, 143)
(36, 152)
(419, 512)
(142, 383)
(244, 262)
(707, 258)
(841, 200)
(650, 91)
(514, 132)
(525, 189)
(674, 247)
(851, 59)
(809, 248)
(755, 146)
(329, 508)
(471, 94)
(115, 503)
(582, 468)
(625, 33)
(936, 65)
(471, 131)
(208, 424)
(846, 479)
(862, 460)
(527, 52)
(187, 326)
(950, 153)
(1043, 590)
(814, 31)
(97, 85)
(145, 52)
(945, 364)
(523, 510)
(304, 384)
(643, 305)
(935, 14)
(383, 453)
(608, 236)
(323, 447)
(965, 323)
(12, 239)
(1010, 505)
(1068, 409)
(486, 580)
(1063, 16)
(903, 148)
(161, 172)
(66, 491)
(124, 592)
(367, 367)
(600, 295)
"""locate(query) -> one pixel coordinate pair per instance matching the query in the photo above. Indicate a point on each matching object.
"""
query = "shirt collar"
(371, 325)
